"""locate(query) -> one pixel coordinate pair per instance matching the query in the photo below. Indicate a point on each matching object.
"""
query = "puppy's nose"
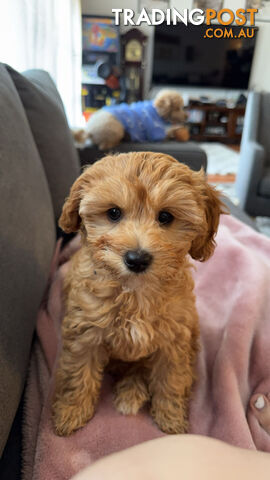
(137, 260)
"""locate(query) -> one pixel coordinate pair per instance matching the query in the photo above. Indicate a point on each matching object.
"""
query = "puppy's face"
(170, 106)
(141, 213)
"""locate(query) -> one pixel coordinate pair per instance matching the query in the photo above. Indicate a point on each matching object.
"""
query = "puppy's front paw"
(69, 418)
(171, 420)
(130, 396)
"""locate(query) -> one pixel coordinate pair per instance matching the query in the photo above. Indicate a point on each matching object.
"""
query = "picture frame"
(254, 4)
(150, 4)
(263, 6)
(204, 4)
(100, 34)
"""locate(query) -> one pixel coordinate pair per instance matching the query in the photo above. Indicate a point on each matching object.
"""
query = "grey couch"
(253, 177)
(38, 164)
(188, 152)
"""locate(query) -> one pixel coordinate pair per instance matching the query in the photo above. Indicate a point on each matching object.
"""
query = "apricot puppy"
(129, 291)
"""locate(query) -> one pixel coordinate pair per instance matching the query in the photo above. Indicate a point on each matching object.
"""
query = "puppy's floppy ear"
(204, 244)
(162, 105)
(70, 220)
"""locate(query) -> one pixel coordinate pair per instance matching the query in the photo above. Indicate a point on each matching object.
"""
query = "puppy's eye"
(165, 217)
(114, 214)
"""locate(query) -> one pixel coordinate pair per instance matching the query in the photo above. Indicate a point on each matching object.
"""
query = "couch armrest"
(252, 114)
(250, 170)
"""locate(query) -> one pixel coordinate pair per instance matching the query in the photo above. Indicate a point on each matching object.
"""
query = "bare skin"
(260, 405)
(187, 457)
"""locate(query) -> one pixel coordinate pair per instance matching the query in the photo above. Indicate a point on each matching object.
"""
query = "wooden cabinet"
(209, 122)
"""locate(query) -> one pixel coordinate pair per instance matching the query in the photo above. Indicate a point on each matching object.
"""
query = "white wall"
(260, 74)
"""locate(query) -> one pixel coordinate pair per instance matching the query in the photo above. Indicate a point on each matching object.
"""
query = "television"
(184, 57)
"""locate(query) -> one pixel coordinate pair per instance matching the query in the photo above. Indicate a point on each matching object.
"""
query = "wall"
(260, 74)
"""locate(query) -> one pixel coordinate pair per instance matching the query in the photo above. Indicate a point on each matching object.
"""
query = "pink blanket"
(233, 300)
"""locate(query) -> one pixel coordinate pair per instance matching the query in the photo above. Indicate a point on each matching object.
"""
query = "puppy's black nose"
(137, 260)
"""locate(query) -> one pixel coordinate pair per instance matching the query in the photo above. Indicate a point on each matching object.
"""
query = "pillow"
(48, 123)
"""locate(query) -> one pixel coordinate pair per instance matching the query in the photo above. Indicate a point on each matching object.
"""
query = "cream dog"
(146, 121)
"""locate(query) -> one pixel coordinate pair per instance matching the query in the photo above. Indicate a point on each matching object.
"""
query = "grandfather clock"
(133, 49)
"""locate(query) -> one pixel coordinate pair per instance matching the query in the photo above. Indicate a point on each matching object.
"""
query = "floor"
(222, 165)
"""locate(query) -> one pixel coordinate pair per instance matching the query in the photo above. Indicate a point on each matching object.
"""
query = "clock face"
(133, 51)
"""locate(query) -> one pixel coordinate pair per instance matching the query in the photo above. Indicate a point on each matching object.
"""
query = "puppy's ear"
(203, 245)
(163, 105)
(169, 102)
(70, 220)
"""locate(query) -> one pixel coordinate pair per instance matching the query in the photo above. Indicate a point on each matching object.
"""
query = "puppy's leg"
(178, 132)
(78, 381)
(171, 131)
(170, 382)
(131, 393)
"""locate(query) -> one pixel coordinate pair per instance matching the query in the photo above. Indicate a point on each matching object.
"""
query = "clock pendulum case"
(133, 47)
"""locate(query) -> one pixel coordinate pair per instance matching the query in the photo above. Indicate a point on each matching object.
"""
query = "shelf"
(228, 131)
(215, 138)
(217, 108)
(217, 124)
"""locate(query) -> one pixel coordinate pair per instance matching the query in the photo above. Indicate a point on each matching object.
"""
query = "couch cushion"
(264, 185)
(263, 127)
(47, 120)
(188, 152)
(27, 241)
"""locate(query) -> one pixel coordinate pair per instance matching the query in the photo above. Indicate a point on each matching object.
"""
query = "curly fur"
(145, 324)
(170, 106)
(107, 132)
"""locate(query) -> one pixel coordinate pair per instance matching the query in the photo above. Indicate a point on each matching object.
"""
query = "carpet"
(221, 159)
(222, 165)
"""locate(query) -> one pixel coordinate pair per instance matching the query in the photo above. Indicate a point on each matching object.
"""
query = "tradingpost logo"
(210, 17)
(226, 17)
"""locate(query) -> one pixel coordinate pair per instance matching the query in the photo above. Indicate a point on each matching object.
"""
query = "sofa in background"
(253, 177)
(38, 164)
(187, 152)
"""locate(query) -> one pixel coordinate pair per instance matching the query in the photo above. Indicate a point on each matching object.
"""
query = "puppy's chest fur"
(120, 322)
(131, 324)
(131, 334)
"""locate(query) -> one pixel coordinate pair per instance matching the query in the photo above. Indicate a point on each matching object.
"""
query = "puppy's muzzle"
(137, 260)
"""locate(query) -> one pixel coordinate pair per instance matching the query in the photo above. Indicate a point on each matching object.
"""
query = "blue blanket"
(140, 120)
